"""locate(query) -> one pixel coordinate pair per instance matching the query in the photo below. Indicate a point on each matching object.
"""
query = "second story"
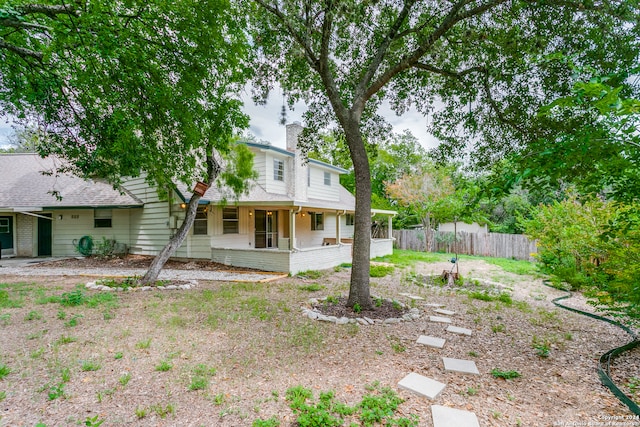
(288, 172)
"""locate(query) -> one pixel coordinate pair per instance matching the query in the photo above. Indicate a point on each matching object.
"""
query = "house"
(295, 217)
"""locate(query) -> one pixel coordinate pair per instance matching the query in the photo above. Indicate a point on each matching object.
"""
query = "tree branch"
(50, 10)
(15, 23)
(21, 51)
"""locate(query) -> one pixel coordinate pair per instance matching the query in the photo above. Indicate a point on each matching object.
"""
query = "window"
(349, 218)
(230, 220)
(4, 226)
(327, 178)
(278, 170)
(102, 218)
(317, 221)
(201, 223)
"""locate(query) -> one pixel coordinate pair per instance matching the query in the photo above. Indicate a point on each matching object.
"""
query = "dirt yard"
(224, 354)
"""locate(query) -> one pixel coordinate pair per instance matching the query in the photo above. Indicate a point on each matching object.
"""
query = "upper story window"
(201, 223)
(230, 220)
(102, 218)
(327, 178)
(278, 170)
(317, 221)
(349, 218)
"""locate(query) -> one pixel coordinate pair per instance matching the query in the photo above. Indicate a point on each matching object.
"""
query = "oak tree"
(481, 58)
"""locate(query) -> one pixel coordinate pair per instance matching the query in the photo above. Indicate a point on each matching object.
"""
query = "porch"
(296, 260)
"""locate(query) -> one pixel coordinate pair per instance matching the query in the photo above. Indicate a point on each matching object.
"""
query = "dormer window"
(327, 178)
(278, 170)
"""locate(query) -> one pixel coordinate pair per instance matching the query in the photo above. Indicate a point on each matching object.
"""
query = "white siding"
(318, 189)
(77, 223)
(259, 165)
(149, 226)
(260, 259)
(271, 185)
(306, 237)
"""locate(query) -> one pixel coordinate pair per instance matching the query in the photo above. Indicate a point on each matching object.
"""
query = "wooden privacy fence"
(515, 246)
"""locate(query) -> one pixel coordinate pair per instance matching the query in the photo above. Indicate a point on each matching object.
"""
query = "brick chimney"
(297, 185)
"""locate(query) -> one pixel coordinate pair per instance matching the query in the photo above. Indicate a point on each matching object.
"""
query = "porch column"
(389, 225)
(338, 214)
(292, 228)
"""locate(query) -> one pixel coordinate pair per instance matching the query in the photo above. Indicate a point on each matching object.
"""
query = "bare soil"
(259, 344)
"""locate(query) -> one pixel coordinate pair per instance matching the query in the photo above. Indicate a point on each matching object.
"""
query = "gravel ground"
(254, 336)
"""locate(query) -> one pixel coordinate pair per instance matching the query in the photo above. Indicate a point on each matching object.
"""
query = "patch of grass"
(3, 395)
(37, 354)
(61, 315)
(502, 297)
(5, 319)
(4, 370)
(498, 328)
(310, 274)
(523, 268)
(405, 258)
(200, 379)
(314, 287)
(33, 315)
(143, 345)
(396, 344)
(507, 375)
(163, 411)
(65, 340)
(124, 379)
(270, 422)
(37, 335)
(56, 391)
(73, 322)
(164, 366)
(141, 412)
(73, 298)
(380, 270)
(65, 374)
(118, 355)
(90, 365)
(7, 302)
(542, 347)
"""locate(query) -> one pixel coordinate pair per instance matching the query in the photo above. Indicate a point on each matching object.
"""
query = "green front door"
(44, 235)
(6, 235)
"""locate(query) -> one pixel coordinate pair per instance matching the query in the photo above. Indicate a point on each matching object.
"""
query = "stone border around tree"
(314, 314)
(94, 286)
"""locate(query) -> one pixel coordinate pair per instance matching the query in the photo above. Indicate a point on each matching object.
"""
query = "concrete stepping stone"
(410, 296)
(459, 331)
(421, 385)
(431, 341)
(435, 305)
(460, 365)
(444, 416)
(439, 319)
(445, 312)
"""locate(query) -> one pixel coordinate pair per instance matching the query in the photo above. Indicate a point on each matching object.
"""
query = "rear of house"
(296, 215)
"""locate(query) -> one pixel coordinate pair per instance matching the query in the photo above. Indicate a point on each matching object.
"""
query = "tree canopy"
(130, 88)
(483, 58)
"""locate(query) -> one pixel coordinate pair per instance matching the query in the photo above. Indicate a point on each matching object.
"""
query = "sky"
(265, 123)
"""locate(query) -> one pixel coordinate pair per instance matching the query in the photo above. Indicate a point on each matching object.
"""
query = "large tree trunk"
(359, 289)
(151, 276)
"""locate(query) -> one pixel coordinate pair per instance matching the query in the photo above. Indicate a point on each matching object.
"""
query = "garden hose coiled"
(605, 360)
(85, 245)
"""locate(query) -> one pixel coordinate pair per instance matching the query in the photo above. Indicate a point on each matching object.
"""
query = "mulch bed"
(386, 309)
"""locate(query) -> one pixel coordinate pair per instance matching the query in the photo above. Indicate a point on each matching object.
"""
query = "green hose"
(605, 359)
(85, 245)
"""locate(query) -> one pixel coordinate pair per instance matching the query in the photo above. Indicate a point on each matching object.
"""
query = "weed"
(378, 302)
(93, 421)
(5, 319)
(396, 344)
(357, 308)
(271, 422)
(4, 370)
(36, 354)
(219, 399)
(498, 328)
(33, 315)
(542, 348)
(3, 395)
(73, 298)
(124, 379)
(507, 375)
(90, 365)
(65, 340)
(108, 315)
(143, 345)
(56, 391)
(633, 385)
(61, 315)
(65, 373)
(201, 374)
(37, 335)
(161, 411)
(380, 270)
(473, 354)
(472, 391)
(73, 322)
(141, 412)
(568, 336)
(397, 305)
(332, 299)
(496, 414)
(314, 287)
(164, 366)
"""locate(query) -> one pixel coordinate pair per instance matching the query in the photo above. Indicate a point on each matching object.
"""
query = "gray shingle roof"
(24, 186)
